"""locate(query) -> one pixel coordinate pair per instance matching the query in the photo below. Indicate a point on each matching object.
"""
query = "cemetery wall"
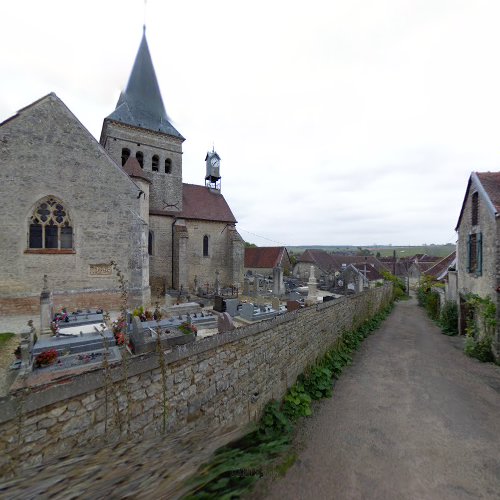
(213, 383)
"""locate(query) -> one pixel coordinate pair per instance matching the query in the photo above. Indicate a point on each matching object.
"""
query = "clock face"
(214, 162)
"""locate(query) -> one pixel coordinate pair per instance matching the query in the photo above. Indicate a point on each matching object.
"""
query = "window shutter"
(468, 253)
(479, 254)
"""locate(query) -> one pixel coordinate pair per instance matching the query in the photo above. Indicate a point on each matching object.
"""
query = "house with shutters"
(478, 250)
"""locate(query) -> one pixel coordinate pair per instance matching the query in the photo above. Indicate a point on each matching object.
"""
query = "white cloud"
(337, 122)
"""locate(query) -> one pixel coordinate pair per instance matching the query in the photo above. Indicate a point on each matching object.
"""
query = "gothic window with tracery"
(50, 226)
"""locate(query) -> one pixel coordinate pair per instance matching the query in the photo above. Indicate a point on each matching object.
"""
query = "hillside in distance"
(382, 250)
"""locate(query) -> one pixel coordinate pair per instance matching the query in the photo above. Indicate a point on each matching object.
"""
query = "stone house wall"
(44, 150)
(302, 270)
(217, 382)
(485, 284)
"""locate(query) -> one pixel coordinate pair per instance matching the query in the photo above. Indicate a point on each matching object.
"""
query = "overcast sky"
(338, 122)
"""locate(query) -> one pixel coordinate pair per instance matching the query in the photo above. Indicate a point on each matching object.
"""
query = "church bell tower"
(212, 177)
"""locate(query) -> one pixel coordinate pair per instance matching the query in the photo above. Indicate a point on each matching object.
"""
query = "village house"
(327, 267)
(71, 205)
(478, 249)
(262, 260)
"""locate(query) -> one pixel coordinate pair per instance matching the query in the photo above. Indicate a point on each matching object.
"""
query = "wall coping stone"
(68, 387)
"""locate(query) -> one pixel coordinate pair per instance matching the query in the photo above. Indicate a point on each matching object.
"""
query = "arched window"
(168, 166)
(50, 226)
(150, 242)
(125, 155)
(140, 158)
(155, 162)
(205, 246)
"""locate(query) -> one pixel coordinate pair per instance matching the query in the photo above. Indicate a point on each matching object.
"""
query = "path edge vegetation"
(480, 319)
(267, 450)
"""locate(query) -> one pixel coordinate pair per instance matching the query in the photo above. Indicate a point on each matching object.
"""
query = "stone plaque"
(100, 270)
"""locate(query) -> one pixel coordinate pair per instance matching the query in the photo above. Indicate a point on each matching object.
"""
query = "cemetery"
(69, 342)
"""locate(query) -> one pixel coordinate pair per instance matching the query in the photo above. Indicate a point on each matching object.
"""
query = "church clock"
(212, 177)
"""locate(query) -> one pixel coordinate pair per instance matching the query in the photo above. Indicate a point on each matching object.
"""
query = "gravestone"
(294, 296)
(275, 303)
(26, 356)
(293, 305)
(247, 310)
(278, 285)
(217, 283)
(219, 304)
(312, 293)
(137, 335)
(232, 306)
(46, 308)
(246, 288)
(169, 300)
(225, 323)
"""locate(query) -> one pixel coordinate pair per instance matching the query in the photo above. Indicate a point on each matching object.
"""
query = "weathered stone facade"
(484, 279)
(220, 381)
(45, 152)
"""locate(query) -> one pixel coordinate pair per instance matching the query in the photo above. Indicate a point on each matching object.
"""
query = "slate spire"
(141, 105)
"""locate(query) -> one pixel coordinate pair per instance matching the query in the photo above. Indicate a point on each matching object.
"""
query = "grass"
(5, 337)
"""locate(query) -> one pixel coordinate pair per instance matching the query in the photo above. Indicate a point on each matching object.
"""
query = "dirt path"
(412, 418)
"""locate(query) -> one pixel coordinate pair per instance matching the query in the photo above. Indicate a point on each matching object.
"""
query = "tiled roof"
(491, 184)
(201, 203)
(333, 262)
(439, 270)
(263, 257)
(488, 186)
(133, 168)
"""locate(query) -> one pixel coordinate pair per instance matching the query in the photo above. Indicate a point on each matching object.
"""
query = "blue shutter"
(479, 254)
(468, 253)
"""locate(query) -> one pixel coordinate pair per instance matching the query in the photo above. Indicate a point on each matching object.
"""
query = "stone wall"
(216, 382)
(45, 151)
(485, 283)
(166, 188)
(225, 254)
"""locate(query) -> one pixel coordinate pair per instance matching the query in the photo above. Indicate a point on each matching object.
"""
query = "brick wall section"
(107, 300)
(224, 380)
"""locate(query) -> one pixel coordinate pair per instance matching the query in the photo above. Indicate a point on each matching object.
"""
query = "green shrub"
(297, 403)
(479, 349)
(432, 305)
(448, 319)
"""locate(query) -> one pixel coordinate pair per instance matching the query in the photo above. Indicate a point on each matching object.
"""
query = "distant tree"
(250, 245)
(363, 251)
(378, 255)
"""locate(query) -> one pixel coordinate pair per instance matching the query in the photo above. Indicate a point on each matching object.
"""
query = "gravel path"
(412, 418)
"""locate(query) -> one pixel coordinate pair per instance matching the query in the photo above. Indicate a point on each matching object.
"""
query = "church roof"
(201, 203)
(133, 168)
(140, 104)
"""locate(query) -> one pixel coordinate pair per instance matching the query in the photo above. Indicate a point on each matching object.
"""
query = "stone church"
(71, 205)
